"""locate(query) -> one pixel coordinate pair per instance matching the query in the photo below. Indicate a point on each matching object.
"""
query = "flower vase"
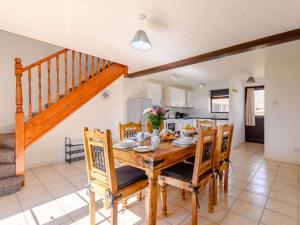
(155, 132)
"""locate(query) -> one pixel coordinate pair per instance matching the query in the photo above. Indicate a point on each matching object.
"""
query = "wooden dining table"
(152, 163)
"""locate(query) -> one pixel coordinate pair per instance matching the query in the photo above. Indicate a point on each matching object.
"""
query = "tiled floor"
(260, 192)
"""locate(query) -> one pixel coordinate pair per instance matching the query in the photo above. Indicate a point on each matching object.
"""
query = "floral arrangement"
(155, 115)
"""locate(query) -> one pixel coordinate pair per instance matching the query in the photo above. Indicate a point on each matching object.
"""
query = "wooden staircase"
(71, 79)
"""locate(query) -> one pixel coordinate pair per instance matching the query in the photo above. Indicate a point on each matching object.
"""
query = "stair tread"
(7, 155)
(7, 140)
(7, 170)
(10, 185)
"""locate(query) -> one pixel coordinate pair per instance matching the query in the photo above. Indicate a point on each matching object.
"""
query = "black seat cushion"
(127, 175)
(182, 171)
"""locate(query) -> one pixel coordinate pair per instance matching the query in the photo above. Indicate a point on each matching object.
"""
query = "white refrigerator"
(135, 109)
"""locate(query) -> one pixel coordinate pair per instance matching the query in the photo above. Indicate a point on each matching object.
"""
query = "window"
(259, 99)
(219, 101)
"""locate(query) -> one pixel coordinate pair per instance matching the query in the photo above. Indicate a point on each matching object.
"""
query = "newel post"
(19, 126)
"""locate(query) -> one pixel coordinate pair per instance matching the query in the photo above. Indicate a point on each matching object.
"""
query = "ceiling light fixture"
(251, 80)
(175, 77)
(140, 40)
(201, 85)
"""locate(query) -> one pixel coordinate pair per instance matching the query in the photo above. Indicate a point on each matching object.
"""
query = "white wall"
(237, 109)
(202, 100)
(282, 110)
(28, 50)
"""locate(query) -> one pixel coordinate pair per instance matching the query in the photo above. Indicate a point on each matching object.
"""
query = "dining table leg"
(152, 199)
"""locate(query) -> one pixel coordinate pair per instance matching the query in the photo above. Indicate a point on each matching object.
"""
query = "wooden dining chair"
(192, 177)
(104, 179)
(149, 127)
(129, 130)
(222, 156)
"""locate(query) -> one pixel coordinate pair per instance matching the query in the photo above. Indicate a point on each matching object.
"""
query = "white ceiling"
(242, 65)
(177, 29)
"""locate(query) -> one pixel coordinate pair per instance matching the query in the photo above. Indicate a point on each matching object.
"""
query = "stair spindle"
(93, 65)
(73, 70)
(49, 82)
(86, 67)
(98, 65)
(103, 64)
(40, 87)
(66, 72)
(29, 95)
(57, 78)
(80, 72)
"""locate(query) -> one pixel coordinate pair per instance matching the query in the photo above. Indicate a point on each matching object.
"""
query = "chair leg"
(226, 180)
(183, 195)
(92, 208)
(139, 196)
(114, 213)
(221, 176)
(215, 190)
(211, 196)
(194, 209)
(124, 203)
(163, 196)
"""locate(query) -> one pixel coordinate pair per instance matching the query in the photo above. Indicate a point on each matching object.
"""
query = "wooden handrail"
(44, 59)
(50, 110)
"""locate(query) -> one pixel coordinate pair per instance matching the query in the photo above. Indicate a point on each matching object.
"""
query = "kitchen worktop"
(199, 118)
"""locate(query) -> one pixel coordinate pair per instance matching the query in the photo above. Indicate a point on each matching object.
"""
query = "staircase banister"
(45, 59)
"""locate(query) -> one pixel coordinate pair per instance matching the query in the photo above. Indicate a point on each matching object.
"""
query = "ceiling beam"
(224, 52)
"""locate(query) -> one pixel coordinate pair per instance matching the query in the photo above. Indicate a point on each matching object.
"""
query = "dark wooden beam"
(224, 52)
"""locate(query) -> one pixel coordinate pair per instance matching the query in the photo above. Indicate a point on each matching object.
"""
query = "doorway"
(255, 133)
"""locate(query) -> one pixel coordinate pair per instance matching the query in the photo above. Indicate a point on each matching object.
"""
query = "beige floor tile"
(273, 218)
(248, 210)
(262, 182)
(282, 208)
(253, 198)
(13, 219)
(236, 219)
(200, 221)
(257, 189)
(237, 183)
(284, 197)
(217, 216)
(176, 214)
(285, 188)
(287, 181)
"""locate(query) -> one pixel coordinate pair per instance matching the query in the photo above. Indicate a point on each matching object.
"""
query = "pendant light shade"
(140, 41)
(251, 80)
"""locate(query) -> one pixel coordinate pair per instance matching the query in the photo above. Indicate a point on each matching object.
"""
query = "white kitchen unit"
(190, 122)
(154, 92)
(135, 109)
(175, 97)
(190, 99)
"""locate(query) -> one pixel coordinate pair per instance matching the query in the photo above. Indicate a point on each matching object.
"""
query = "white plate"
(123, 147)
(182, 144)
(143, 149)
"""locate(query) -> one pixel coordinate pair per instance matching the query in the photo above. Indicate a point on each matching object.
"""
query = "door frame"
(258, 87)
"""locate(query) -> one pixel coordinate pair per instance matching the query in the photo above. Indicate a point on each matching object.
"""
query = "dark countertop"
(200, 118)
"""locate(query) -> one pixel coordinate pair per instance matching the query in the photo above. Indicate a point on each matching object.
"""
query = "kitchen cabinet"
(155, 93)
(190, 98)
(175, 97)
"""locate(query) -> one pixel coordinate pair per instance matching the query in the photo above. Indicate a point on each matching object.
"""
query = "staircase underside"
(54, 114)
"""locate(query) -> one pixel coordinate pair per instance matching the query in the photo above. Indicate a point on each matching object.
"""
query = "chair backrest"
(205, 124)
(205, 151)
(149, 127)
(223, 144)
(129, 130)
(99, 158)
